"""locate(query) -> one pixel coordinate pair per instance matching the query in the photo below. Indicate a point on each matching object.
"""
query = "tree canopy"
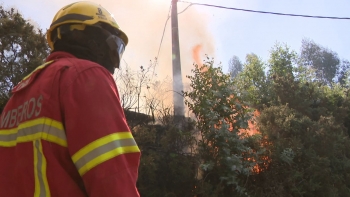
(22, 49)
(325, 61)
(235, 66)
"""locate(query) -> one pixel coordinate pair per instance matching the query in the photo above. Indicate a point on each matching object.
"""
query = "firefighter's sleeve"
(99, 140)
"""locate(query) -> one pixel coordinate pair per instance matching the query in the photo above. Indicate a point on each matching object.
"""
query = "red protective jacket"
(63, 133)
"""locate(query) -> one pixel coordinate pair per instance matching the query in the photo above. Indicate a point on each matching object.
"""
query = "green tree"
(225, 151)
(293, 86)
(305, 157)
(22, 49)
(323, 60)
(343, 72)
(235, 66)
(281, 66)
(252, 82)
(304, 131)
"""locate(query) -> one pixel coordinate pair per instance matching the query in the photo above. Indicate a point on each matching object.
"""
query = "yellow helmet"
(86, 13)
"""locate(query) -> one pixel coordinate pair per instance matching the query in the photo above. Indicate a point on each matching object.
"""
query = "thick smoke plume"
(143, 21)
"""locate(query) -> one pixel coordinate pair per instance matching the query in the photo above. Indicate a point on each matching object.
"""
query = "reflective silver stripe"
(41, 185)
(104, 149)
(33, 130)
(41, 128)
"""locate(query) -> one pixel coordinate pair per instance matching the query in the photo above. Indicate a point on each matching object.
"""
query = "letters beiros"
(26, 111)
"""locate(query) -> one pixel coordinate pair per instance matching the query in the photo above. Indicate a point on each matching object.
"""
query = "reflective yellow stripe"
(104, 149)
(41, 128)
(8, 131)
(106, 156)
(36, 177)
(100, 142)
(38, 68)
(47, 121)
(29, 138)
(41, 183)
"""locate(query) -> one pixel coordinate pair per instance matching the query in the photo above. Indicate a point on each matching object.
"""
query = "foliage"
(300, 116)
(252, 83)
(168, 162)
(305, 133)
(22, 49)
(285, 88)
(227, 158)
(235, 66)
(343, 72)
(324, 61)
(307, 158)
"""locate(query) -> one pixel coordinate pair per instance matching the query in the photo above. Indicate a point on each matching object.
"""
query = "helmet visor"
(117, 47)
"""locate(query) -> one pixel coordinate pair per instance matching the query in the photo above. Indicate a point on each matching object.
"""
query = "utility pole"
(179, 106)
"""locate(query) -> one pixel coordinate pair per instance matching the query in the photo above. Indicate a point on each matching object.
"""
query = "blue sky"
(241, 32)
(222, 33)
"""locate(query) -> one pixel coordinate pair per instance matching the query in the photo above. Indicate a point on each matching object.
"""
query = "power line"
(184, 9)
(265, 12)
(166, 22)
(161, 40)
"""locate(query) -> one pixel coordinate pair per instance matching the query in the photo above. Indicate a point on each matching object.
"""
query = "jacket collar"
(58, 55)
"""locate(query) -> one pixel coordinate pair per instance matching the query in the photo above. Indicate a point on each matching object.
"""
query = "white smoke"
(143, 21)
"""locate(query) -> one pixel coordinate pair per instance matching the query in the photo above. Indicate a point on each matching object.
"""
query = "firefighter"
(63, 132)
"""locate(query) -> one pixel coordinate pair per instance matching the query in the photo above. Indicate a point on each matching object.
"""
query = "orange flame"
(252, 127)
(196, 55)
